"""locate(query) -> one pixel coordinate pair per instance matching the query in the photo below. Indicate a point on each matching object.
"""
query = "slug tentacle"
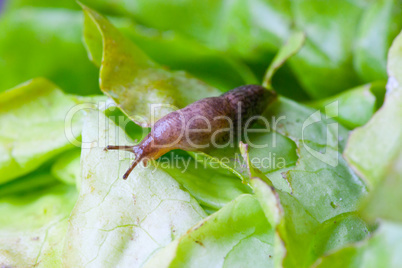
(144, 151)
(202, 124)
(133, 165)
(127, 148)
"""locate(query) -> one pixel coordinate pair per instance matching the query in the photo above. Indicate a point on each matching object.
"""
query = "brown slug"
(194, 127)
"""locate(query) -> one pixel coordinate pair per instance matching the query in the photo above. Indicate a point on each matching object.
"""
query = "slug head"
(143, 153)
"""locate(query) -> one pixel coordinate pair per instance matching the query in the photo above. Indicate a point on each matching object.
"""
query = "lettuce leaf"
(379, 143)
(382, 135)
(40, 42)
(212, 66)
(295, 203)
(291, 47)
(33, 226)
(32, 126)
(337, 190)
(36, 180)
(213, 187)
(374, 147)
(319, 200)
(238, 235)
(118, 221)
(305, 238)
(381, 250)
(67, 167)
(270, 203)
(379, 25)
(255, 30)
(356, 105)
(306, 156)
(384, 200)
(133, 80)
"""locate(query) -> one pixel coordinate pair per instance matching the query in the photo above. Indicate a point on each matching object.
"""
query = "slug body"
(202, 124)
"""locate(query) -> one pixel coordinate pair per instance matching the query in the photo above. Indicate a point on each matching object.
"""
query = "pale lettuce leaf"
(122, 222)
(33, 226)
(238, 235)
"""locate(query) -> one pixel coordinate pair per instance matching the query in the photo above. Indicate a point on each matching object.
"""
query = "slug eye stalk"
(128, 148)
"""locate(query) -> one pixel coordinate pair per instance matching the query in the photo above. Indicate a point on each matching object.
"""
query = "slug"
(196, 126)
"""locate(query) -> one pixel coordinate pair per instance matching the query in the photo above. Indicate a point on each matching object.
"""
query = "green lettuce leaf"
(269, 202)
(104, 5)
(238, 235)
(314, 194)
(226, 27)
(384, 200)
(305, 238)
(213, 187)
(37, 42)
(32, 126)
(302, 155)
(381, 250)
(33, 226)
(291, 47)
(122, 222)
(292, 204)
(357, 105)
(316, 187)
(17, 4)
(374, 147)
(379, 25)
(214, 67)
(67, 167)
(255, 30)
(327, 53)
(382, 134)
(132, 79)
(36, 180)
